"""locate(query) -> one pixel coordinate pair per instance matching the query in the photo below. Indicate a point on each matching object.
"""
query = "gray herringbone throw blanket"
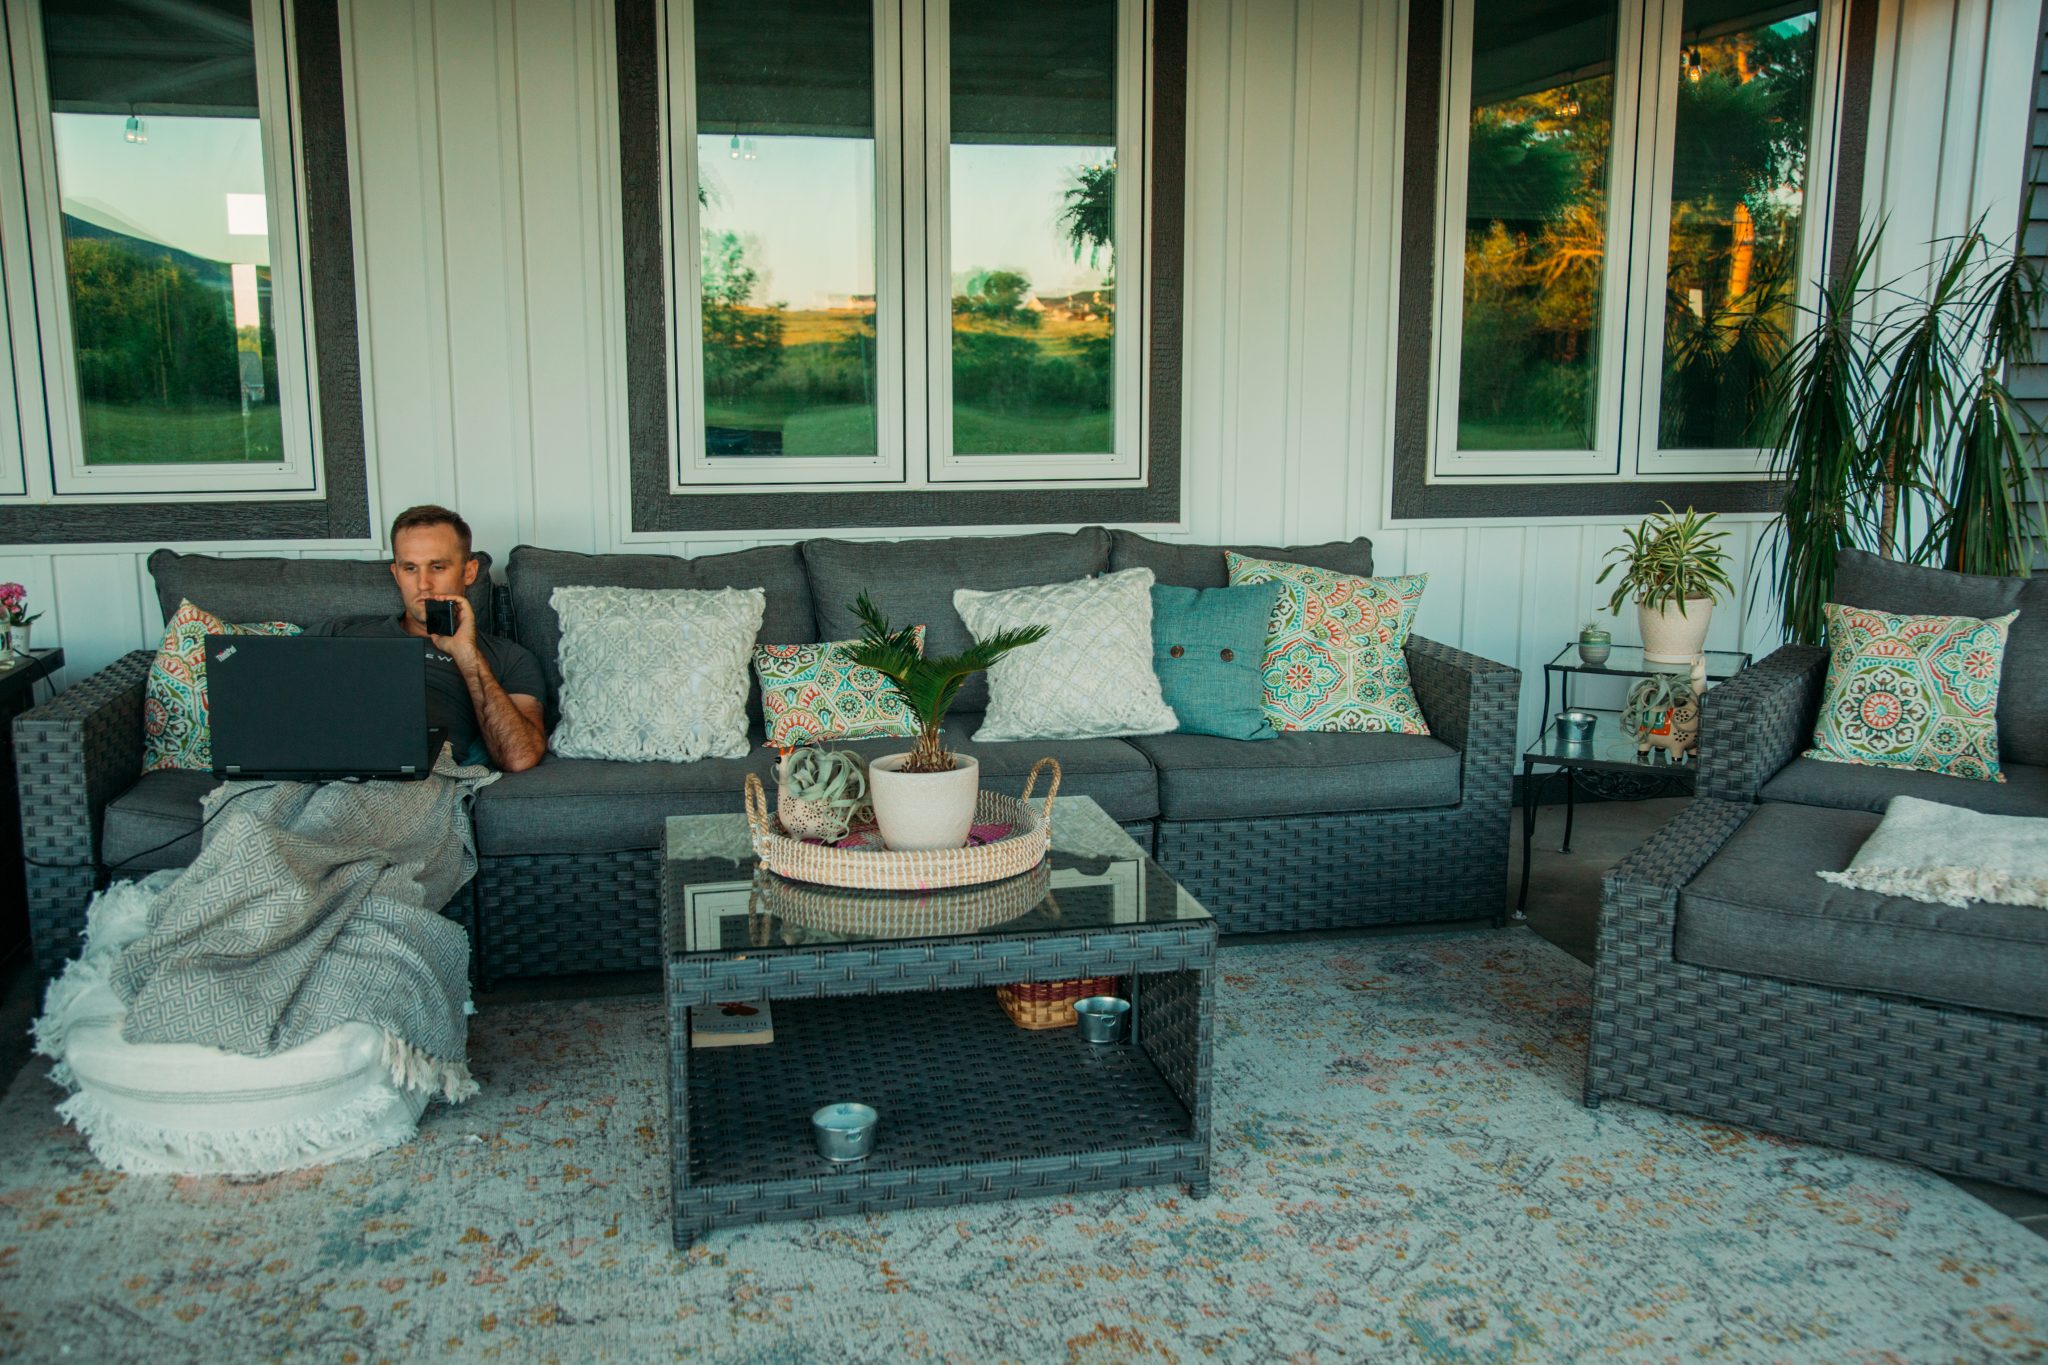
(311, 906)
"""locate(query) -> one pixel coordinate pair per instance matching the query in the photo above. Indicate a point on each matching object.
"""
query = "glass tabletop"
(1096, 878)
(1609, 746)
(1626, 661)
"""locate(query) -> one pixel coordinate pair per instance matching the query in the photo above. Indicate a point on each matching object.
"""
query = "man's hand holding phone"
(443, 617)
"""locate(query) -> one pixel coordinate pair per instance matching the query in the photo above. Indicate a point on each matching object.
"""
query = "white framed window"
(904, 243)
(1633, 212)
(158, 312)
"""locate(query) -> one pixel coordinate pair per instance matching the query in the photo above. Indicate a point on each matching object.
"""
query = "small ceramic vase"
(1594, 647)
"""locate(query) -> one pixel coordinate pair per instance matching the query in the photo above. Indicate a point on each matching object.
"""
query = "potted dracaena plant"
(925, 799)
(1674, 568)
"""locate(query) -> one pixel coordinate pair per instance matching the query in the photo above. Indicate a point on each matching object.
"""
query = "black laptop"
(306, 708)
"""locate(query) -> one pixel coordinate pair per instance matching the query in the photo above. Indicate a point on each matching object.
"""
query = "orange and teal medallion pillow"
(814, 693)
(1912, 692)
(176, 732)
(1335, 647)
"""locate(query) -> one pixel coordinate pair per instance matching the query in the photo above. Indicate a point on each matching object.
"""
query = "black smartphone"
(440, 617)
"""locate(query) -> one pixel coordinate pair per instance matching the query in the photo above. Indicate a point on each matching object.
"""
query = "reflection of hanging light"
(1568, 107)
(1694, 67)
(749, 153)
(735, 147)
(133, 130)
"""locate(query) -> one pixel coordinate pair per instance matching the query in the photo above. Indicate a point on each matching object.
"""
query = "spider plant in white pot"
(925, 799)
(1675, 569)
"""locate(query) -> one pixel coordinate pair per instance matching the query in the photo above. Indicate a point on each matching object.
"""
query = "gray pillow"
(655, 674)
(304, 592)
(1866, 580)
(1182, 565)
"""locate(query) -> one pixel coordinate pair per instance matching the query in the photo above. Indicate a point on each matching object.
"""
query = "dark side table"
(1608, 765)
(18, 679)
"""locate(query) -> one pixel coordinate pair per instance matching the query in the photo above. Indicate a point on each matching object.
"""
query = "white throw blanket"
(1945, 855)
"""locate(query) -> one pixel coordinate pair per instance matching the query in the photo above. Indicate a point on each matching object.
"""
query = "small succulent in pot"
(1595, 644)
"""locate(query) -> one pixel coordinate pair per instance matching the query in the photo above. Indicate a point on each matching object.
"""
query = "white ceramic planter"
(923, 810)
(1669, 638)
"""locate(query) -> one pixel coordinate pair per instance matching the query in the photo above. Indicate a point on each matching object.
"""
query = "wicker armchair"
(1732, 983)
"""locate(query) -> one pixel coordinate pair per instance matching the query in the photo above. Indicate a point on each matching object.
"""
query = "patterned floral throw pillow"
(1912, 692)
(1334, 657)
(175, 727)
(814, 693)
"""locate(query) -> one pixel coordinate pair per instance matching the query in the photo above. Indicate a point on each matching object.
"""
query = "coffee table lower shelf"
(972, 1108)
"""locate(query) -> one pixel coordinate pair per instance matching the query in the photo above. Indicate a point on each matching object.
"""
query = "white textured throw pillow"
(1090, 677)
(1946, 855)
(655, 673)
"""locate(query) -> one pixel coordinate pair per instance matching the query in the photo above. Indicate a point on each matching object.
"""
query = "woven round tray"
(1022, 849)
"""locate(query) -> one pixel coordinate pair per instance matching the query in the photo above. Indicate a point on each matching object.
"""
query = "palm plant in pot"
(1896, 430)
(1675, 568)
(925, 799)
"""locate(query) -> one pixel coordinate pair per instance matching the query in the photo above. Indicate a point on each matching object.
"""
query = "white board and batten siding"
(484, 160)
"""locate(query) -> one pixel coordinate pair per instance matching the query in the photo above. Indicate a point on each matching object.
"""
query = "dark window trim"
(1415, 498)
(656, 509)
(344, 512)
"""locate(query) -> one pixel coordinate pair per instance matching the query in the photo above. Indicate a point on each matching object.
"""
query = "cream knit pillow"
(1090, 677)
(655, 673)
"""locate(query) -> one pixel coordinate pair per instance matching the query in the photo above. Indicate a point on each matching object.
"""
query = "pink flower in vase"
(14, 605)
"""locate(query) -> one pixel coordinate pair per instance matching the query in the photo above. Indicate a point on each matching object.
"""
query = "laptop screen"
(306, 707)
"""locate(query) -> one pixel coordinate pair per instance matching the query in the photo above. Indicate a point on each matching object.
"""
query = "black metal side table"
(18, 678)
(1607, 765)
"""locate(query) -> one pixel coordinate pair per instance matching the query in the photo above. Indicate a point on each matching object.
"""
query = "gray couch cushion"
(574, 805)
(1864, 580)
(1201, 566)
(912, 581)
(163, 805)
(1202, 777)
(1758, 908)
(590, 805)
(302, 591)
(532, 574)
(1856, 786)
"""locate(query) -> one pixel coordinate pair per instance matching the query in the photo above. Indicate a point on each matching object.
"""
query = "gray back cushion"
(912, 581)
(302, 591)
(1865, 580)
(533, 574)
(1201, 566)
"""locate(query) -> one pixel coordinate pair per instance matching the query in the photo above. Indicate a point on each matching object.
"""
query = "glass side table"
(1606, 765)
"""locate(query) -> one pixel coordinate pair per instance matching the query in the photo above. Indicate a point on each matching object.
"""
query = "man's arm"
(514, 734)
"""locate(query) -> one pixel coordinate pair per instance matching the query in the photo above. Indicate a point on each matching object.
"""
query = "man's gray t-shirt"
(448, 704)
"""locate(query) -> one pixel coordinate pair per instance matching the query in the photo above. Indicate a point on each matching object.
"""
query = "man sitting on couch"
(482, 690)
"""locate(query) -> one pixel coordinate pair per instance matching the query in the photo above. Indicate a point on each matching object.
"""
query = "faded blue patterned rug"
(1403, 1172)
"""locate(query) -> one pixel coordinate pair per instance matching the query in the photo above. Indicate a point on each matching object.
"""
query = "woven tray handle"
(1051, 791)
(757, 806)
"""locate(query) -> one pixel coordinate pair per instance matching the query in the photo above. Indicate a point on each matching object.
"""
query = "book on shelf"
(735, 1023)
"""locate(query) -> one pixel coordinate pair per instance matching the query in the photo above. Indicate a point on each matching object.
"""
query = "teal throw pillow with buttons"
(1209, 650)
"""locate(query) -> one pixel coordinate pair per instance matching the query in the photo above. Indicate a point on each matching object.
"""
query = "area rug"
(1403, 1172)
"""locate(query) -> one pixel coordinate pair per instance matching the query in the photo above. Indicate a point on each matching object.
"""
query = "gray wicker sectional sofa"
(1306, 831)
(1733, 983)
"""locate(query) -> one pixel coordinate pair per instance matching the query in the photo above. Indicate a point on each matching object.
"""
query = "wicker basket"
(1050, 1004)
(891, 870)
(837, 910)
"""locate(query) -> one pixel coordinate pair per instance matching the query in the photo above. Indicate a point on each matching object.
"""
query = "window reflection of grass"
(148, 434)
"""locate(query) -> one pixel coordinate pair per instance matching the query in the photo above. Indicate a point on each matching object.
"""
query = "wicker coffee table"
(888, 999)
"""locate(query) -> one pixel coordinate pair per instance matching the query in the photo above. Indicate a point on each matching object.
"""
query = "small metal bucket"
(845, 1132)
(1102, 1018)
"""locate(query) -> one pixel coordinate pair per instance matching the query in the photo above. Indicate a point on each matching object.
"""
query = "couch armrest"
(1471, 704)
(74, 754)
(1758, 721)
